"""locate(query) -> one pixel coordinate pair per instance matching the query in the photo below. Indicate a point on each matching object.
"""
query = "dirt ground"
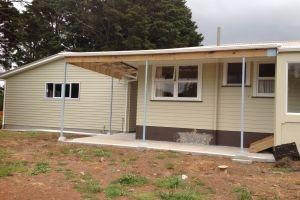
(36, 166)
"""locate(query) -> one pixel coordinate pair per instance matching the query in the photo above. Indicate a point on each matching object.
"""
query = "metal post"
(145, 101)
(62, 114)
(243, 104)
(111, 104)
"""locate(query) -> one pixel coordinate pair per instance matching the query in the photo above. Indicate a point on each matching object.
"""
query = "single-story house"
(182, 91)
(33, 93)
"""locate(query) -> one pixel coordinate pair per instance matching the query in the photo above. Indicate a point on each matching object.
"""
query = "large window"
(232, 74)
(265, 79)
(293, 88)
(177, 82)
(54, 90)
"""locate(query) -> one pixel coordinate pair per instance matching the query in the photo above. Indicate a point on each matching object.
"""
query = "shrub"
(132, 179)
(40, 168)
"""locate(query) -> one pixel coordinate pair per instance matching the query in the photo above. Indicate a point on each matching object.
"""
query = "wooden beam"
(172, 56)
(116, 70)
(262, 144)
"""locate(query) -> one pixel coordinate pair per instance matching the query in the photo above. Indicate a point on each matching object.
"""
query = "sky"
(247, 20)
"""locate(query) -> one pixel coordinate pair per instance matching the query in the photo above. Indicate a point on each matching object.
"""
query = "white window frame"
(176, 81)
(225, 73)
(56, 83)
(287, 87)
(257, 78)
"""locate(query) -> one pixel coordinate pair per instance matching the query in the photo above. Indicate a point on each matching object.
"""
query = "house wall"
(132, 106)
(26, 105)
(287, 125)
(166, 118)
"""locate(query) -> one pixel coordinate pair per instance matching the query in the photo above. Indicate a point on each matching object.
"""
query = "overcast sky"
(247, 20)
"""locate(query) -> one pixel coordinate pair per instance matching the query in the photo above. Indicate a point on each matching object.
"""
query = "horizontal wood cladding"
(172, 56)
(26, 104)
(259, 112)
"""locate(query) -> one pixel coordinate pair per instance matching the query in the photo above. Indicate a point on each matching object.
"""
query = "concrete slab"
(128, 140)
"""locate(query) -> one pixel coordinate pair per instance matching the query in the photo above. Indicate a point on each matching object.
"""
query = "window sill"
(59, 99)
(264, 97)
(235, 85)
(176, 100)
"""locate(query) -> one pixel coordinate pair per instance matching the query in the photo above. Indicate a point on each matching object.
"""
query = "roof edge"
(31, 65)
(228, 47)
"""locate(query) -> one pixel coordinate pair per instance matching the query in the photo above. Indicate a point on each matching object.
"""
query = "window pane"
(49, 90)
(234, 73)
(187, 90)
(164, 72)
(188, 73)
(57, 90)
(67, 92)
(164, 89)
(266, 86)
(75, 90)
(266, 70)
(294, 88)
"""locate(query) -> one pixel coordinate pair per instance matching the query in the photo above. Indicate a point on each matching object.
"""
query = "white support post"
(243, 104)
(111, 105)
(4, 102)
(145, 101)
(62, 114)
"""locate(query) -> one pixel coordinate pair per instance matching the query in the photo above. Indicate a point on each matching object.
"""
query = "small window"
(75, 90)
(232, 74)
(265, 80)
(49, 90)
(164, 81)
(54, 90)
(67, 92)
(293, 94)
(177, 83)
(188, 81)
(58, 89)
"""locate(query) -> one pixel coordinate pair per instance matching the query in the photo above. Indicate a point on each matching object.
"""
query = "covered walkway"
(128, 140)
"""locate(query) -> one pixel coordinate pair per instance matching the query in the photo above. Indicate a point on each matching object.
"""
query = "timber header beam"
(250, 53)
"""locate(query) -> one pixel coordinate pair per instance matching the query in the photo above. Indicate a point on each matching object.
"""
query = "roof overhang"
(116, 63)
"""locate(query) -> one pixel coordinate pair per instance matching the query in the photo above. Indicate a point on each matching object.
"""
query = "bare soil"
(263, 180)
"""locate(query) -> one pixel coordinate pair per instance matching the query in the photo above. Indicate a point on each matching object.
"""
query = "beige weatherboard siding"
(259, 112)
(26, 105)
(287, 125)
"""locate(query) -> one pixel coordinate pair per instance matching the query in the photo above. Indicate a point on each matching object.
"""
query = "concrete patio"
(128, 140)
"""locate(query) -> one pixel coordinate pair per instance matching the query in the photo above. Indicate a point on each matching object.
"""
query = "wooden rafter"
(116, 69)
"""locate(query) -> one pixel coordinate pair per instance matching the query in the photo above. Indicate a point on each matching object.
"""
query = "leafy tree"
(9, 25)
(48, 27)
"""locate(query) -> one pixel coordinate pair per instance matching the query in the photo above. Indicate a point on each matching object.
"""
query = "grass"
(145, 196)
(88, 185)
(132, 180)
(9, 168)
(181, 195)
(98, 152)
(14, 134)
(242, 193)
(114, 190)
(171, 182)
(3, 153)
(85, 154)
(40, 168)
(84, 184)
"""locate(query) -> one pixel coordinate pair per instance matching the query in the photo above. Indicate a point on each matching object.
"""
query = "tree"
(9, 25)
(52, 26)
